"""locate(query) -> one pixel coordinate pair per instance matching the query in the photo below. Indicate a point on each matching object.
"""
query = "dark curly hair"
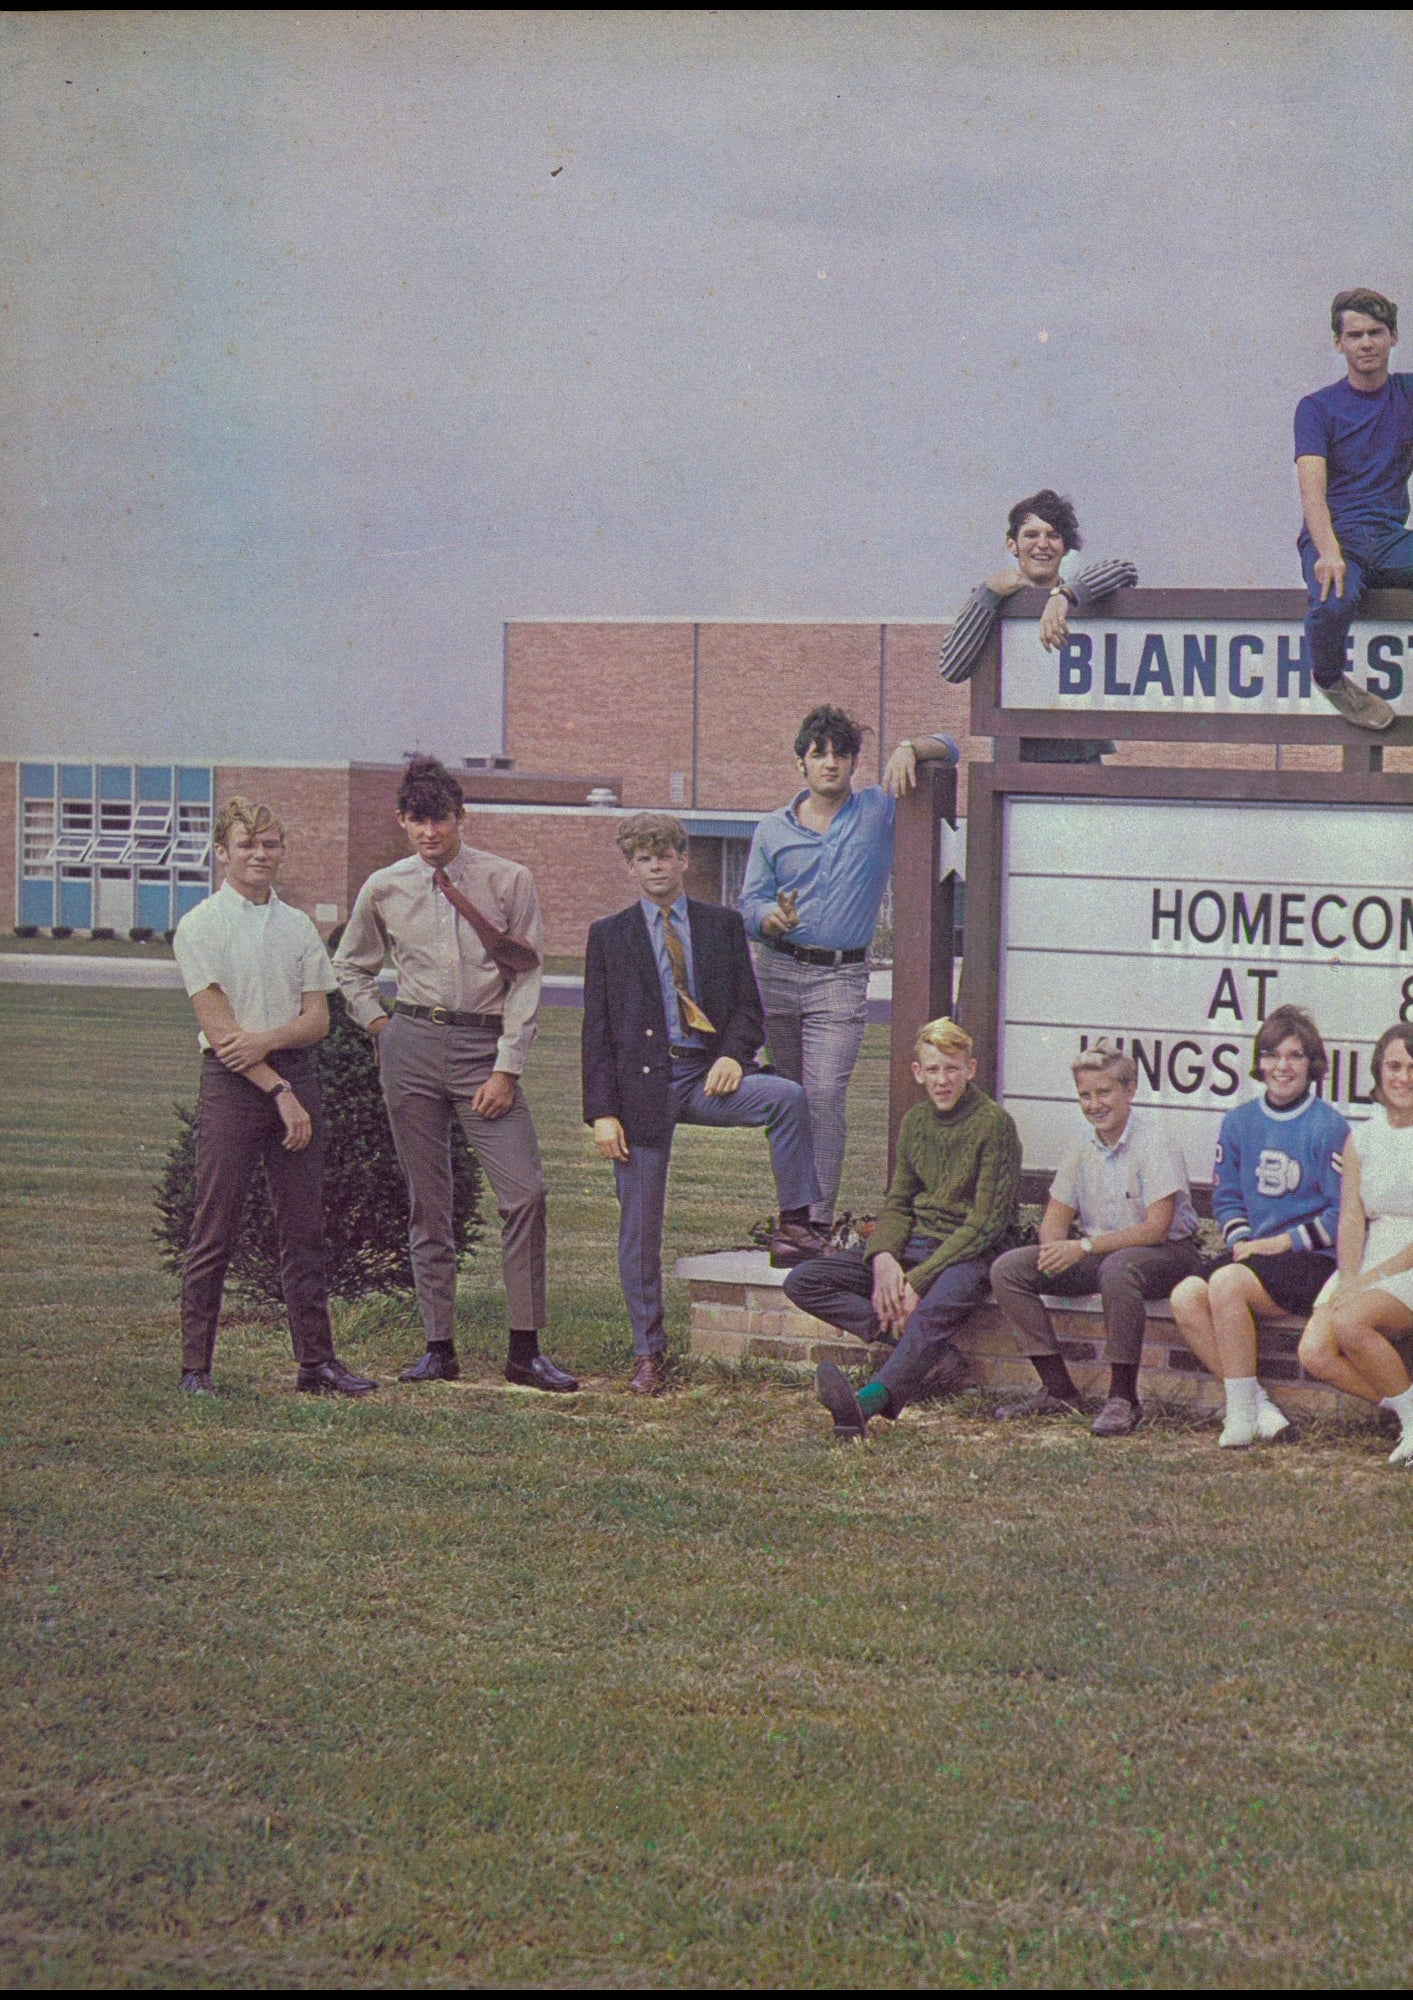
(1052, 507)
(429, 791)
(1297, 1021)
(831, 727)
(1362, 300)
(1401, 1031)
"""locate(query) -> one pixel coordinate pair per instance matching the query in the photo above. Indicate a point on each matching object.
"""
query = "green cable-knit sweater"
(957, 1179)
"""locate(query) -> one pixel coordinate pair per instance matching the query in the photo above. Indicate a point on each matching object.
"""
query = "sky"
(333, 340)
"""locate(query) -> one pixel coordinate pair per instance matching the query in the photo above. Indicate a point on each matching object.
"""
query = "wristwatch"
(280, 1088)
(1086, 1244)
(1063, 590)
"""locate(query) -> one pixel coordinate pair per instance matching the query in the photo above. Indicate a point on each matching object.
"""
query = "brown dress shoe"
(796, 1243)
(649, 1377)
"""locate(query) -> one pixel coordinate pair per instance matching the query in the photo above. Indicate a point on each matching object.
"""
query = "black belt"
(816, 954)
(448, 1017)
(684, 1054)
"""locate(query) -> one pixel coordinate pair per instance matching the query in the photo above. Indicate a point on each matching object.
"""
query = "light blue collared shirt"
(1113, 1187)
(838, 877)
(680, 1037)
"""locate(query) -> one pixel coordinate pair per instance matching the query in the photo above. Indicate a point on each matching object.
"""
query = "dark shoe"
(332, 1378)
(944, 1378)
(795, 1243)
(541, 1374)
(1357, 705)
(196, 1382)
(1117, 1418)
(649, 1377)
(1042, 1404)
(438, 1364)
(833, 1389)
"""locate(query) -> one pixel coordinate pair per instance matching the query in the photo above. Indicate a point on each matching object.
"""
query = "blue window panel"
(75, 781)
(37, 902)
(154, 905)
(76, 903)
(154, 781)
(115, 781)
(189, 894)
(194, 785)
(37, 781)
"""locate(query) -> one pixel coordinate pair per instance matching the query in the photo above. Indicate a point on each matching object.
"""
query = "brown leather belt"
(816, 954)
(448, 1017)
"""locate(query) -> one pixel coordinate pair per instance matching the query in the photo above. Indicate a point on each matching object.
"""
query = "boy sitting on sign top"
(951, 1206)
(1126, 1187)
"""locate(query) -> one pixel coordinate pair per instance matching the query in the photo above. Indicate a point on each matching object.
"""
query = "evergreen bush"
(365, 1196)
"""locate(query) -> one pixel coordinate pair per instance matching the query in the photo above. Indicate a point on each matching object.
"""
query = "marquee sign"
(1172, 927)
(1197, 666)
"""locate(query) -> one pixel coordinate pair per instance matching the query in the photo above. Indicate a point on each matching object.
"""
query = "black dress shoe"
(438, 1364)
(332, 1378)
(197, 1382)
(834, 1390)
(541, 1374)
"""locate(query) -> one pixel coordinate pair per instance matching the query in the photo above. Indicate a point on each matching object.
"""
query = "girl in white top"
(1368, 1304)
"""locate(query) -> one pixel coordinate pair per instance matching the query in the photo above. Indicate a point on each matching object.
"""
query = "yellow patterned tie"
(692, 1017)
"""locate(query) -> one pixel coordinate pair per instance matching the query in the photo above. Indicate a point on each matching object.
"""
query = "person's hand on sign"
(1055, 621)
(1056, 1257)
(782, 915)
(900, 772)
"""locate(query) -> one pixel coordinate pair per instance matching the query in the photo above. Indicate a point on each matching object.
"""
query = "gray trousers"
(1124, 1280)
(815, 1017)
(641, 1179)
(429, 1076)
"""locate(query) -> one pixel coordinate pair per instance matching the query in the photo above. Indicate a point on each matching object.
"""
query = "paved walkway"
(37, 968)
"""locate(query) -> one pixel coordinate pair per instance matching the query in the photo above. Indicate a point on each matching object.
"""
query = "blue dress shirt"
(839, 877)
(680, 1037)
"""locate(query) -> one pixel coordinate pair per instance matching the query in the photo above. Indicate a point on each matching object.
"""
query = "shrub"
(27, 930)
(142, 934)
(103, 932)
(365, 1196)
(61, 930)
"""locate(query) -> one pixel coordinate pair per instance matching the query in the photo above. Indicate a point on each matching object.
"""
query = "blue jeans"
(1387, 564)
(839, 1290)
(814, 1021)
(771, 1101)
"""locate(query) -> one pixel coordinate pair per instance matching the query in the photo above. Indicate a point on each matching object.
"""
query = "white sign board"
(1172, 928)
(1212, 666)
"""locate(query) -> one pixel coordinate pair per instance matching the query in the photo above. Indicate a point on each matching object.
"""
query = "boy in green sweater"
(950, 1209)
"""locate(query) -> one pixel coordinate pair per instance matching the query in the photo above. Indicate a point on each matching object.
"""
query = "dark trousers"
(1387, 565)
(839, 1290)
(237, 1127)
(1124, 1280)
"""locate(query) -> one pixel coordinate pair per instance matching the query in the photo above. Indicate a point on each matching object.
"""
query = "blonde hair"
(651, 833)
(243, 812)
(1107, 1062)
(945, 1035)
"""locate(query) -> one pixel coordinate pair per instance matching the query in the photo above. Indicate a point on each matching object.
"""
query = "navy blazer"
(627, 1068)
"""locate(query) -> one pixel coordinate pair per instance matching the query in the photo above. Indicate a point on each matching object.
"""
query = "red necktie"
(511, 955)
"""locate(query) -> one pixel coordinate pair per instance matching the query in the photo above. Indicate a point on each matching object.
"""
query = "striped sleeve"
(1100, 579)
(962, 647)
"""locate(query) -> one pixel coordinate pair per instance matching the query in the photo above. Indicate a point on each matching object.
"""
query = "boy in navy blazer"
(672, 1023)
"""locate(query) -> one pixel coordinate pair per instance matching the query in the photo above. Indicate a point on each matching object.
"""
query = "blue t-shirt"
(1366, 442)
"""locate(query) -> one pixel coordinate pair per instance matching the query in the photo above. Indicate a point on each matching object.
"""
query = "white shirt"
(264, 957)
(1113, 1187)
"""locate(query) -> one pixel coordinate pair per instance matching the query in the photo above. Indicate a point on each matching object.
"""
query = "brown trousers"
(237, 1127)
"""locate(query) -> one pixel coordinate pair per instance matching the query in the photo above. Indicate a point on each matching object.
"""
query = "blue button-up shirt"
(679, 1036)
(839, 877)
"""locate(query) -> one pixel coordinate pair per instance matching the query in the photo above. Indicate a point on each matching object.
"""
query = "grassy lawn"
(464, 1686)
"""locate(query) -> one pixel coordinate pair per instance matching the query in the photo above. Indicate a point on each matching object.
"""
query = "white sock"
(1243, 1398)
(1402, 1407)
(1262, 1399)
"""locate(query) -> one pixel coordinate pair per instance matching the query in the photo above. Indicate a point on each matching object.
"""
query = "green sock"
(873, 1399)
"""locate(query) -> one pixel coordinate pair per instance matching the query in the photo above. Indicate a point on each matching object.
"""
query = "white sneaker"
(1357, 705)
(1402, 1453)
(1237, 1434)
(1270, 1422)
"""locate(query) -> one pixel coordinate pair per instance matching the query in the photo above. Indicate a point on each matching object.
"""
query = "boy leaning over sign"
(1126, 1187)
